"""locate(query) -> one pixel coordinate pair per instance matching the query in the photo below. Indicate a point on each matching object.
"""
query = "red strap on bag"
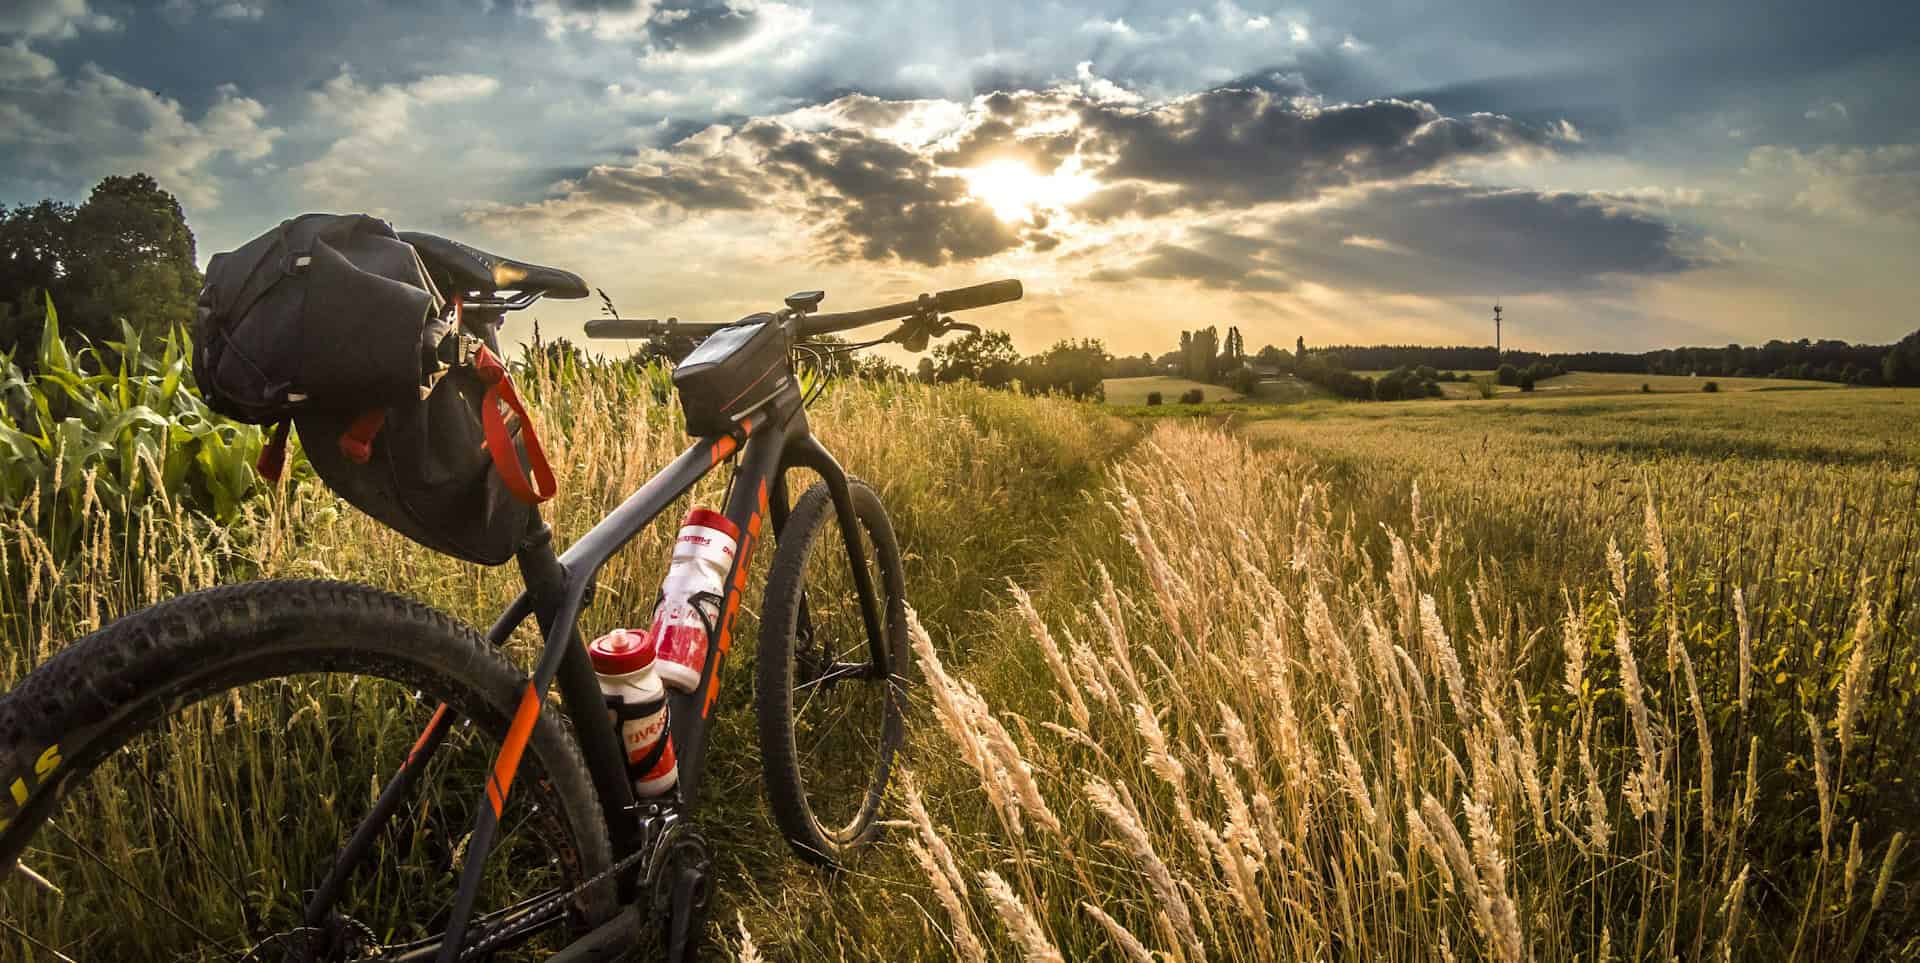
(535, 485)
(273, 456)
(356, 443)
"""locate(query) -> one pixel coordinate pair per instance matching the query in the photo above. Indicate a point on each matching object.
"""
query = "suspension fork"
(807, 451)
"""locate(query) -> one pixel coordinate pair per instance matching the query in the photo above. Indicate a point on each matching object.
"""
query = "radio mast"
(1496, 331)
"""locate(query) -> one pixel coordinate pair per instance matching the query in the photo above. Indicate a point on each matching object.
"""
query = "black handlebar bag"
(331, 323)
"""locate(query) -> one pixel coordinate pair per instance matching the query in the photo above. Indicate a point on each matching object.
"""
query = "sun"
(1017, 192)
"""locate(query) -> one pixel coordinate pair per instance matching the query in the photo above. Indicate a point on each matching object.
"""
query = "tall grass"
(1299, 723)
(971, 478)
(1621, 680)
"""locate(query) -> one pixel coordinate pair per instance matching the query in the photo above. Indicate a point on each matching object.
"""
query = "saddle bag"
(444, 470)
(734, 373)
(325, 311)
(332, 324)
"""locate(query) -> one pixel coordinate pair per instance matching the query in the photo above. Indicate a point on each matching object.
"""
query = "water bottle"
(689, 608)
(624, 660)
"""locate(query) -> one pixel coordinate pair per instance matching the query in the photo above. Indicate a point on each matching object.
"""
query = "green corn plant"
(92, 430)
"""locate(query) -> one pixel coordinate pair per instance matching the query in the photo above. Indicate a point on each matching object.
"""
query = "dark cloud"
(1429, 239)
(876, 199)
(890, 200)
(1171, 262)
(692, 189)
(1249, 146)
(699, 27)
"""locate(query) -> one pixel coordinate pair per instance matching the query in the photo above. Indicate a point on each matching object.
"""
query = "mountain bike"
(226, 776)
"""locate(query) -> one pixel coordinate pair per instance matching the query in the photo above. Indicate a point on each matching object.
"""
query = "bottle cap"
(708, 518)
(621, 651)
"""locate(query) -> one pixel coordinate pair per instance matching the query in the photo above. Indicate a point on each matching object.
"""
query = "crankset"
(338, 938)
(679, 886)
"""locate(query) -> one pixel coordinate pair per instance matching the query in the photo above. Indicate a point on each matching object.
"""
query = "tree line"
(1806, 359)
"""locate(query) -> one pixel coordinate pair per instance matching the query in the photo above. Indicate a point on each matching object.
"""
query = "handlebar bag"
(737, 371)
(326, 312)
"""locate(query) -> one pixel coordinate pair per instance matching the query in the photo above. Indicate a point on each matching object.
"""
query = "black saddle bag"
(331, 323)
(325, 311)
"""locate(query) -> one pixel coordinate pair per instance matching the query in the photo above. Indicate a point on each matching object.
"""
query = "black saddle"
(459, 269)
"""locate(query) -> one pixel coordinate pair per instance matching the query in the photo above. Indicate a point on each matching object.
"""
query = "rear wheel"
(194, 769)
(830, 718)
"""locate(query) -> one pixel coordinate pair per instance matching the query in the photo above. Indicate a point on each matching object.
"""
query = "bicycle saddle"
(457, 268)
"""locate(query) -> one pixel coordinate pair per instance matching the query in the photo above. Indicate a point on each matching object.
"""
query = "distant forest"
(1824, 360)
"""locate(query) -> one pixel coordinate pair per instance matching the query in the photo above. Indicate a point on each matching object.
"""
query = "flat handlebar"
(807, 326)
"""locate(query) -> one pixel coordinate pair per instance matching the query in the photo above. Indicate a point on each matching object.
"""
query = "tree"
(987, 357)
(136, 259)
(1275, 358)
(1073, 367)
(36, 246)
(1901, 366)
(126, 254)
(924, 373)
(1508, 375)
(1199, 354)
(1243, 381)
(1300, 348)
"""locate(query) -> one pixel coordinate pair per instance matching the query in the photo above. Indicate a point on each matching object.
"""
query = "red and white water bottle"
(690, 597)
(624, 660)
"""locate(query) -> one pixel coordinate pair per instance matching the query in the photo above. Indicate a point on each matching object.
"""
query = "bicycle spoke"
(29, 937)
(153, 791)
(164, 908)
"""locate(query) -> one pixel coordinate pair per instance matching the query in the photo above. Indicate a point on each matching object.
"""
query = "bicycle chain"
(489, 939)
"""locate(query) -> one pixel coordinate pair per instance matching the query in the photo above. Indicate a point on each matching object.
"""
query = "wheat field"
(1401, 682)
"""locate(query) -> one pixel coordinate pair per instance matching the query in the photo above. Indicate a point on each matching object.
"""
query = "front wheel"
(830, 713)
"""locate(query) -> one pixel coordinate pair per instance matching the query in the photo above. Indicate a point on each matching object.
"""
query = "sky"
(1621, 176)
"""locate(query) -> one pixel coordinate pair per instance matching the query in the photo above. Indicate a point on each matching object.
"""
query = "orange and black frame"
(558, 589)
(658, 855)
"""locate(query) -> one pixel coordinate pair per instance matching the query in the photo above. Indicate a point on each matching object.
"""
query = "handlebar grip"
(978, 296)
(648, 328)
(622, 328)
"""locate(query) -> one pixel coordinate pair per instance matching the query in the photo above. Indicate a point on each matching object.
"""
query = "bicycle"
(521, 808)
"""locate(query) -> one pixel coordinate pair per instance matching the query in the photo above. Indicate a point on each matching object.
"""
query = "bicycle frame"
(558, 589)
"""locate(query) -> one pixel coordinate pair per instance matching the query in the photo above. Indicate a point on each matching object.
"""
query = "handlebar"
(807, 326)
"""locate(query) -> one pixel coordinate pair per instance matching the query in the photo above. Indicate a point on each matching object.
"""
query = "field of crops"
(1582, 678)
(1134, 391)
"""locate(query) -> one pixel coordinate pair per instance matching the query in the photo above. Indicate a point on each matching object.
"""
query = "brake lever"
(915, 333)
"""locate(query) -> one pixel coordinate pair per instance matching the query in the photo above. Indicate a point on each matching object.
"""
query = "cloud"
(878, 199)
(57, 19)
(1430, 239)
(1250, 146)
(1217, 261)
(606, 19)
(382, 132)
(60, 133)
(1857, 183)
(182, 11)
(681, 35)
(890, 177)
(1443, 238)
